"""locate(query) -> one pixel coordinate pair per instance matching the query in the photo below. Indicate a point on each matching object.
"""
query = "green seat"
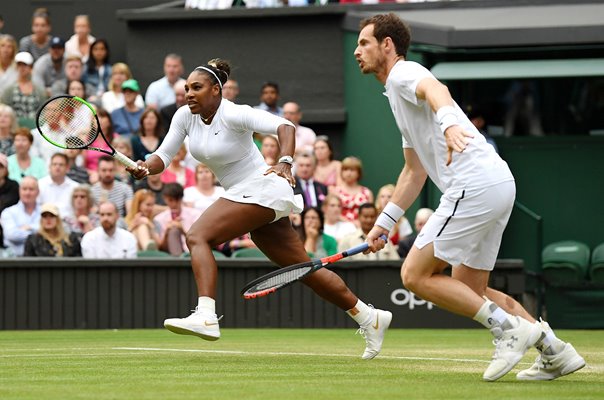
(251, 252)
(565, 263)
(152, 253)
(596, 269)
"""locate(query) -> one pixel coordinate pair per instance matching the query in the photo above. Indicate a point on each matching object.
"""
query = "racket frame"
(126, 161)
(313, 264)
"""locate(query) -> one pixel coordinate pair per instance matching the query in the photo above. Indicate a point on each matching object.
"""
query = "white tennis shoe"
(552, 366)
(510, 346)
(201, 324)
(374, 331)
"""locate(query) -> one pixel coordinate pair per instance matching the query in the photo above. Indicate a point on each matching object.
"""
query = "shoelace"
(497, 342)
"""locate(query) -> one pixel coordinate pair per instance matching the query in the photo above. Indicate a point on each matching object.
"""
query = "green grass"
(275, 364)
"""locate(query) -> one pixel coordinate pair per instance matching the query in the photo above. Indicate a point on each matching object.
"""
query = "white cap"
(24, 57)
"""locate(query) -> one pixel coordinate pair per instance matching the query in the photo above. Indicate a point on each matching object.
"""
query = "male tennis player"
(478, 195)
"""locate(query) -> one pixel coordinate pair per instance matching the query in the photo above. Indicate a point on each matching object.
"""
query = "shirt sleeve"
(12, 231)
(175, 136)
(87, 248)
(252, 119)
(407, 79)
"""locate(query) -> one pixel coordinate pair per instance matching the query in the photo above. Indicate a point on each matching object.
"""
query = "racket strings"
(68, 123)
(283, 278)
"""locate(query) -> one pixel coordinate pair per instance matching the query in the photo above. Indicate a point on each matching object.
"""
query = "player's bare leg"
(328, 285)
(422, 274)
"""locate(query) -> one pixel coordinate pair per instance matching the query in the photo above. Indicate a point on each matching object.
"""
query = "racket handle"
(124, 160)
(361, 248)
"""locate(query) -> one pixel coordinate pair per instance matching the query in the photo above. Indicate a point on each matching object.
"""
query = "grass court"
(276, 364)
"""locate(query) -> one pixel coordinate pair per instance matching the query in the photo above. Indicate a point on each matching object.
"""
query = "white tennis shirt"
(478, 166)
(226, 145)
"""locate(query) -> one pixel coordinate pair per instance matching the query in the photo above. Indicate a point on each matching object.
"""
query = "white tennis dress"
(226, 146)
(478, 186)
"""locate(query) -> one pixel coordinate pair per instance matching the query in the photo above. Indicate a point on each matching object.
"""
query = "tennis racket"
(70, 122)
(282, 277)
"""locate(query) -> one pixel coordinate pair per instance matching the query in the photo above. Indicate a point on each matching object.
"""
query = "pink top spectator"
(186, 180)
(188, 216)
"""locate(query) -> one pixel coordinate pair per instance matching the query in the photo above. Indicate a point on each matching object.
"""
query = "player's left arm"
(438, 97)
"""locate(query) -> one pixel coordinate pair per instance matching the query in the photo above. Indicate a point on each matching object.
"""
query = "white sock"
(550, 344)
(207, 304)
(361, 313)
(491, 315)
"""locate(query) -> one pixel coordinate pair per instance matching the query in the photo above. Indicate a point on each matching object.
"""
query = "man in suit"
(313, 192)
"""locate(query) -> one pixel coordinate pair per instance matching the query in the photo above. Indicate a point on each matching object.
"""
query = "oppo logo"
(402, 297)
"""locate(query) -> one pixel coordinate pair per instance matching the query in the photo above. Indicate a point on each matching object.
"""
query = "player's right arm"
(408, 186)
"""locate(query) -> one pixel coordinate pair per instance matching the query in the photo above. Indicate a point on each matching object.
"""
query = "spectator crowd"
(81, 203)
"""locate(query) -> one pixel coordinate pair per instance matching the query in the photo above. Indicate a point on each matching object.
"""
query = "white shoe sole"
(576, 365)
(187, 331)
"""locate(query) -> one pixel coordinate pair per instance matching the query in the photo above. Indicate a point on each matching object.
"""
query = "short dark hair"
(105, 158)
(367, 205)
(390, 25)
(270, 84)
(60, 155)
(173, 190)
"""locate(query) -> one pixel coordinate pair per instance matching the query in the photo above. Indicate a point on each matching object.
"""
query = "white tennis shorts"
(270, 191)
(467, 226)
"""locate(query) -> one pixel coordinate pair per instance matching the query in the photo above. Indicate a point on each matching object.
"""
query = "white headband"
(211, 72)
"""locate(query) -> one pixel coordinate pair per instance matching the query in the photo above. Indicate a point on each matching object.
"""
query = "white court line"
(283, 353)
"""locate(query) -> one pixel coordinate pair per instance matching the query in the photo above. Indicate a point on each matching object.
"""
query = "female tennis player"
(258, 200)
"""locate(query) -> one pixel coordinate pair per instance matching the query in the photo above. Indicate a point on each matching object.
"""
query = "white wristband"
(389, 216)
(446, 117)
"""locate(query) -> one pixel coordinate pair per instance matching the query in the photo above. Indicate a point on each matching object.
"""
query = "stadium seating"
(565, 263)
(596, 269)
(248, 253)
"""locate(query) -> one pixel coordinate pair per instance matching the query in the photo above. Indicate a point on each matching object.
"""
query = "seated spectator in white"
(176, 221)
(83, 219)
(51, 240)
(421, 217)
(108, 240)
(305, 137)
(160, 93)
(140, 220)
(110, 189)
(9, 191)
(367, 216)
(21, 163)
(113, 98)
(51, 66)
(79, 43)
(56, 188)
(8, 68)
(335, 225)
(269, 99)
(22, 219)
(74, 68)
(126, 119)
(205, 192)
